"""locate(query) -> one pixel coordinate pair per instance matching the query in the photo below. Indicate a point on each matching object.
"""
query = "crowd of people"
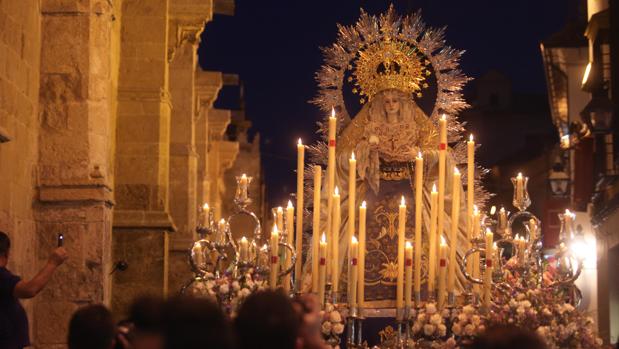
(266, 319)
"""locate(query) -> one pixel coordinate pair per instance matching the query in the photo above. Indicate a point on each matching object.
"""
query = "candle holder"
(521, 195)
(241, 197)
(351, 328)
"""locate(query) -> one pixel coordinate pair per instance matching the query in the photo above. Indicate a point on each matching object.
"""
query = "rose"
(335, 317)
(428, 329)
(326, 328)
(456, 329)
(475, 320)
(236, 286)
(468, 309)
(338, 328)
(416, 327)
(435, 319)
(329, 307)
(421, 318)
(469, 330)
(430, 308)
(442, 330)
(525, 304)
(223, 289)
(463, 317)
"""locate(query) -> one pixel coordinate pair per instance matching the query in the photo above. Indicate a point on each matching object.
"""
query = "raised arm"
(29, 289)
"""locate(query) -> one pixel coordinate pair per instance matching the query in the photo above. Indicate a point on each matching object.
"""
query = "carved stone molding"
(207, 87)
(4, 136)
(218, 119)
(140, 219)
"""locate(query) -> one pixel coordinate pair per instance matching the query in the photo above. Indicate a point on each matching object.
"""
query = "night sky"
(274, 47)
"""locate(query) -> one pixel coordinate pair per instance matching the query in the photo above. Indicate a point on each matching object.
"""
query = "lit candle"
(298, 268)
(442, 123)
(220, 238)
(316, 226)
(476, 226)
(470, 196)
(331, 175)
(453, 239)
(354, 269)
(274, 257)
(442, 273)
(243, 186)
(290, 241)
(532, 230)
(489, 266)
(280, 218)
(335, 242)
(433, 240)
(401, 231)
(322, 267)
(408, 270)
(519, 187)
(352, 188)
(502, 220)
(361, 283)
(206, 213)
(418, 222)
(244, 250)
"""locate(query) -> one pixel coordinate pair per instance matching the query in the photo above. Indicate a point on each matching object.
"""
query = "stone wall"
(20, 37)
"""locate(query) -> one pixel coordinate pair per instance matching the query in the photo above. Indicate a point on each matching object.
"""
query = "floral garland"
(332, 325)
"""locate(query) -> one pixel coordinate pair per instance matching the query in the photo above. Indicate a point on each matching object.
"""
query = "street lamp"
(598, 112)
(559, 180)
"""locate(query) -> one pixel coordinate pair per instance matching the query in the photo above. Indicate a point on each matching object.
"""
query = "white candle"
(331, 175)
(290, 241)
(280, 218)
(361, 283)
(441, 173)
(322, 265)
(442, 273)
(432, 263)
(519, 187)
(354, 253)
(489, 266)
(352, 191)
(274, 257)
(220, 238)
(470, 196)
(476, 223)
(316, 226)
(244, 250)
(335, 242)
(206, 213)
(408, 271)
(401, 235)
(243, 185)
(453, 239)
(418, 221)
(298, 268)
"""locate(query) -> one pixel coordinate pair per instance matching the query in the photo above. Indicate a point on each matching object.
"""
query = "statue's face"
(392, 103)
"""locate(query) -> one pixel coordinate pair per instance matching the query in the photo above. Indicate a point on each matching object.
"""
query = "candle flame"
(419, 155)
(290, 204)
(502, 210)
(471, 138)
(244, 239)
(363, 204)
(280, 209)
(475, 210)
(323, 239)
(402, 202)
(494, 246)
(336, 191)
(205, 206)
(434, 187)
(354, 240)
(443, 117)
(443, 242)
(275, 231)
(456, 171)
(519, 175)
(492, 210)
(489, 232)
(243, 176)
(300, 143)
(408, 245)
(517, 237)
(222, 221)
(352, 156)
(332, 112)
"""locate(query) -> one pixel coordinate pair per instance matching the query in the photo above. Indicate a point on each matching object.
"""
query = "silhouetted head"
(5, 245)
(91, 327)
(508, 337)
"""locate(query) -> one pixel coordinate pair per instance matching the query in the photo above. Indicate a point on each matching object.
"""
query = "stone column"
(187, 20)
(141, 217)
(74, 171)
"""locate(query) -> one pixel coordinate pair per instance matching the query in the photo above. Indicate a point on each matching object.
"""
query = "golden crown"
(388, 64)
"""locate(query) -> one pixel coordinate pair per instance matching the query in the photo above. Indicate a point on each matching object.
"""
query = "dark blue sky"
(274, 46)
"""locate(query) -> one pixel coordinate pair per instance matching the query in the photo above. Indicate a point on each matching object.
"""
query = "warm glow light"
(205, 206)
(471, 138)
(354, 240)
(488, 231)
(443, 242)
(519, 175)
(300, 143)
(336, 191)
(363, 204)
(434, 187)
(290, 204)
(408, 245)
(419, 156)
(222, 221)
(402, 202)
(243, 176)
(443, 117)
(492, 210)
(502, 210)
(332, 112)
(280, 209)
(352, 156)
(274, 231)
(456, 171)
(475, 209)
(565, 141)
(243, 239)
(323, 239)
(587, 72)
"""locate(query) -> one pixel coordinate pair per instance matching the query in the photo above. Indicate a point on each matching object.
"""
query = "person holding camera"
(13, 320)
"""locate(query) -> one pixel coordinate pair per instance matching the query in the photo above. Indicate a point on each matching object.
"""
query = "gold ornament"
(389, 64)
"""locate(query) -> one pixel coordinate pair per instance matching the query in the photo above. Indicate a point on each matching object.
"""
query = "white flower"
(568, 307)
(469, 330)
(236, 286)
(526, 304)
(338, 328)
(245, 292)
(520, 296)
(475, 320)
(520, 311)
(445, 313)
(326, 328)
(223, 289)
(442, 330)
(468, 309)
(329, 307)
(428, 329)
(335, 317)
(435, 319)
(546, 312)
(463, 317)
(430, 308)
(421, 318)
(542, 331)
(513, 303)
(456, 329)
(416, 327)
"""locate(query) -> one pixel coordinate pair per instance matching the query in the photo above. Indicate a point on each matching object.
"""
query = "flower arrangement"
(332, 325)
(466, 323)
(430, 323)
